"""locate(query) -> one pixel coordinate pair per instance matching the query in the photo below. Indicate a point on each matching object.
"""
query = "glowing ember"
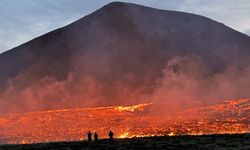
(124, 135)
(126, 121)
(139, 107)
(171, 134)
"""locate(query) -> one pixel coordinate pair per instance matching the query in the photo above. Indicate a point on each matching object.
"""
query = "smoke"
(189, 79)
(184, 80)
(75, 91)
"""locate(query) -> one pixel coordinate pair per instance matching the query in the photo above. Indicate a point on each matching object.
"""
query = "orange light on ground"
(224, 117)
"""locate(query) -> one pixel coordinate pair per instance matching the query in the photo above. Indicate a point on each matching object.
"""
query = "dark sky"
(23, 20)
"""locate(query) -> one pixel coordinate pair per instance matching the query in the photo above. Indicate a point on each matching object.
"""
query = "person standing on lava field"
(96, 137)
(89, 136)
(111, 134)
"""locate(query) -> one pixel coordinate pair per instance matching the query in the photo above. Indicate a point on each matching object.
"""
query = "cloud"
(248, 32)
(23, 21)
(232, 13)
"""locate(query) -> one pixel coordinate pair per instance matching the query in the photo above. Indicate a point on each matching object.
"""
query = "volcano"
(125, 54)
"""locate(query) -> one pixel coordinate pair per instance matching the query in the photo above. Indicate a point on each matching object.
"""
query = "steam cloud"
(183, 80)
(188, 78)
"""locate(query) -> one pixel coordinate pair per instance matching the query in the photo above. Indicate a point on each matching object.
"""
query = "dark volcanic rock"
(113, 56)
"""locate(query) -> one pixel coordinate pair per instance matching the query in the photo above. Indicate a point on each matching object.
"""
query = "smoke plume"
(183, 80)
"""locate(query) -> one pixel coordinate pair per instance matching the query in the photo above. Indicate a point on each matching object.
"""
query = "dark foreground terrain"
(227, 142)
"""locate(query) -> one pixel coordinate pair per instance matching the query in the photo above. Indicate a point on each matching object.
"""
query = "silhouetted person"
(111, 134)
(89, 136)
(96, 137)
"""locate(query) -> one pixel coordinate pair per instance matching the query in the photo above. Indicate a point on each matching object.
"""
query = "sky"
(23, 20)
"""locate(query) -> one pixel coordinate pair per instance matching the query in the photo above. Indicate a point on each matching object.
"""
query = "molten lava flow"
(231, 116)
(132, 108)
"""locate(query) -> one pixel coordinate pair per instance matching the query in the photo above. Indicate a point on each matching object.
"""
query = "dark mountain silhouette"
(118, 54)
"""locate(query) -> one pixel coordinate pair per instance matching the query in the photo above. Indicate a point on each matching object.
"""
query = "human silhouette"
(89, 136)
(111, 134)
(96, 137)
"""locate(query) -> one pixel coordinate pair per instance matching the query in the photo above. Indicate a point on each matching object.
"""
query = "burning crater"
(230, 116)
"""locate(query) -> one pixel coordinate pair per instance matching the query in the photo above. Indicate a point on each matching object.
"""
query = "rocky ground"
(204, 142)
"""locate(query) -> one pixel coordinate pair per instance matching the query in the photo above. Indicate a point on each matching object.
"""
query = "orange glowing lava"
(231, 116)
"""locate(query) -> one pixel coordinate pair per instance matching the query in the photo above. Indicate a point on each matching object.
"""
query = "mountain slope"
(122, 53)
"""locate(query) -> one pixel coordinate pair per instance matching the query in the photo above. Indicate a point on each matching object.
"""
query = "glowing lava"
(231, 116)
(133, 108)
